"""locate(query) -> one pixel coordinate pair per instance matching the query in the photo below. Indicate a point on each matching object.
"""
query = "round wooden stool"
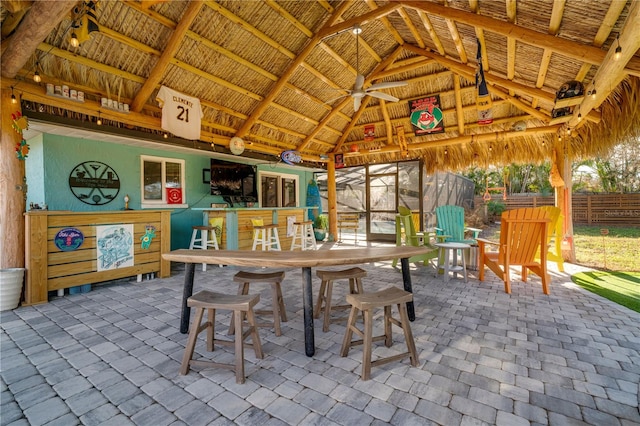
(206, 240)
(278, 311)
(239, 305)
(304, 232)
(354, 276)
(366, 303)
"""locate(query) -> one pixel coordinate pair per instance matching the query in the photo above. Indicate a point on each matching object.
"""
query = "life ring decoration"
(94, 183)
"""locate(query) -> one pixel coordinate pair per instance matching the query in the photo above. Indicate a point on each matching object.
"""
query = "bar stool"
(278, 311)
(204, 242)
(239, 305)
(265, 235)
(354, 276)
(366, 303)
(303, 231)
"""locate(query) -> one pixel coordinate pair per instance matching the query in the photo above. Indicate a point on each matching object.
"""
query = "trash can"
(473, 258)
(11, 280)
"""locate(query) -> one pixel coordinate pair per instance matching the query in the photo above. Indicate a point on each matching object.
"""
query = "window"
(278, 190)
(162, 182)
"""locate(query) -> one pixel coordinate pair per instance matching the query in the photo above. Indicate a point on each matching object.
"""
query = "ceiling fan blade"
(387, 85)
(381, 95)
(356, 104)
(335, 99)
(359, 82)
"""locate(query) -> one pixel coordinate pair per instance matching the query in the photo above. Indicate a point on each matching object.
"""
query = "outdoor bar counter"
(237, 229)
(68, 249)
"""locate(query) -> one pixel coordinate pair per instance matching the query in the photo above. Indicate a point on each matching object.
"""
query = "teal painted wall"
(53, 157)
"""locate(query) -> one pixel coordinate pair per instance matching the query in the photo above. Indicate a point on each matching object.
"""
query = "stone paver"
(112, 356)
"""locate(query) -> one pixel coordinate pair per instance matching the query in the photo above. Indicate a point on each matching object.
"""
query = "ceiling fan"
(358, 92)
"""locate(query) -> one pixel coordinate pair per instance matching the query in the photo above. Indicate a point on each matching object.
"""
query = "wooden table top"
(294, 259)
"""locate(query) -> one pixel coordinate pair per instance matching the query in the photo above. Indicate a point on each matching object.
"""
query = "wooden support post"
(332, 198)
(12, 187)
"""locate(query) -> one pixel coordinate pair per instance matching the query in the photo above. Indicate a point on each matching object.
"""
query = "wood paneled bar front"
(66, 249)
(238, 229)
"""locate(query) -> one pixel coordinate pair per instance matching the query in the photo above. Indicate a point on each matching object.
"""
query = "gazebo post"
(332, 199)
(12, 188)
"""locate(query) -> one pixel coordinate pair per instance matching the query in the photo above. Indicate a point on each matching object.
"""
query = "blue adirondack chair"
(451, 227)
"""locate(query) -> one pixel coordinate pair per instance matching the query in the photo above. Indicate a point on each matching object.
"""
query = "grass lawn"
(617, 251)
(620, 287)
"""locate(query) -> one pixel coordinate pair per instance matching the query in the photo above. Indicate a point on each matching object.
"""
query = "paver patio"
(112, 356)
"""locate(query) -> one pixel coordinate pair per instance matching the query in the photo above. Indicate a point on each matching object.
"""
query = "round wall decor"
(95, 183)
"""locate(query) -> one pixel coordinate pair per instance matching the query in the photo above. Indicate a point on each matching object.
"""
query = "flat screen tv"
(236, 180)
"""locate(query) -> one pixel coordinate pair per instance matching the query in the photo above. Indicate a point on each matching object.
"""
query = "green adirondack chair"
(406, 235)
(451, 227)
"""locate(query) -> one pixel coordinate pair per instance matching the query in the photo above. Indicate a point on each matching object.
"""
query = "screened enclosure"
(375, 191)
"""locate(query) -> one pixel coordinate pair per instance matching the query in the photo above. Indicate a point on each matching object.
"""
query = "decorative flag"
(483, 98)
(426, 115)
(369, 132)
(85, 21)
(181, 114)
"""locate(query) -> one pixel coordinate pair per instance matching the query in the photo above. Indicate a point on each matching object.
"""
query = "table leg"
(187, 292)
(406, 281)
(307, 300)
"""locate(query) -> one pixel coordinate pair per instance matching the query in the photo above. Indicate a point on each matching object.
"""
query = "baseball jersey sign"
(181, 114)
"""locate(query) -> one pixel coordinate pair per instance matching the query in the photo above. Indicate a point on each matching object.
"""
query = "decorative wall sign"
(369, 132)
(69, 239)
(291, 157)
(426, 115)
(149, 235)
(94, 183)
(174, 195)
(114, 244)
(339, 160)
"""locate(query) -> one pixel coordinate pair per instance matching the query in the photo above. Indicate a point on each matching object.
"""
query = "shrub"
(322, 222)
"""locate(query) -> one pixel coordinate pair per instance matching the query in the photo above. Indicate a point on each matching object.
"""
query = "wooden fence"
(595, 209)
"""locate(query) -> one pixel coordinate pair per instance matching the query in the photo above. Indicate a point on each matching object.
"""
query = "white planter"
(10, 288)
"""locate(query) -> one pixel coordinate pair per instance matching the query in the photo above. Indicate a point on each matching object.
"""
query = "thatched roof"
(270, 72)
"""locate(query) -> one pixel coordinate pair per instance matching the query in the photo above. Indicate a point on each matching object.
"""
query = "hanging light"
(446, 151)
(36, 74)
(593, 92)
(618, 52)
(74, 40)
(99, 120)
(357, 29)
(14, 100)
(579, 117)
(165, 135)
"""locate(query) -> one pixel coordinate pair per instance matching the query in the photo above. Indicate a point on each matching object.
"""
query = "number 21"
(183, 114)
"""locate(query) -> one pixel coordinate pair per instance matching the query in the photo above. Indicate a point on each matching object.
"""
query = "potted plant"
(321, 226)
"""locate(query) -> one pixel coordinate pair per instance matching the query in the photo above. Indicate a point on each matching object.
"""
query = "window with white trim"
(278, 190)
(163, 182)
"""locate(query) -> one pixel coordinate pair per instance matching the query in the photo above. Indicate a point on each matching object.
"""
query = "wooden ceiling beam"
(432, 32)
(469, 73)
(458, 97)
(385, 21)
(612, 71)
(34, 28)
(457, 40)
(286, 75)
(387, 121)
(412, 28)
(557, 45)
(170, 49)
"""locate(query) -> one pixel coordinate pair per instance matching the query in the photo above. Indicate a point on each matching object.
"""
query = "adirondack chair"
(406, 235)
(554, 236)
(451, 227)
(523, 232)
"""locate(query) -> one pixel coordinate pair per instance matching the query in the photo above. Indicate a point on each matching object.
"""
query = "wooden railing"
(592, 209)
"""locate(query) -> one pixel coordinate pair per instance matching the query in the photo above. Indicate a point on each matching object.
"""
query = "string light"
(74, 40)
(618, 52)
(99, 120)
(165, 135)
(14, 100)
